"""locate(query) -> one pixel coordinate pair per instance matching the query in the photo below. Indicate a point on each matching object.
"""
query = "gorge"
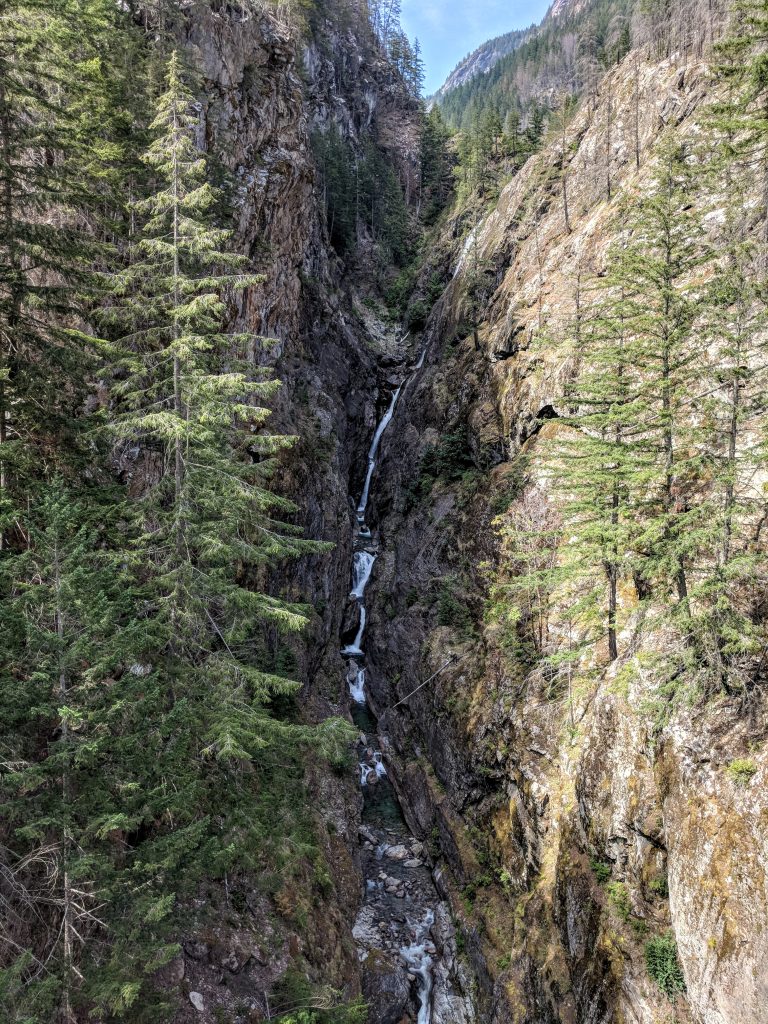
(382, 517)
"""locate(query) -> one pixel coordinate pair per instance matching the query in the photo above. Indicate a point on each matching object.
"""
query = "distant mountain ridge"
(485, 56)
(532, 69)
(481, 60)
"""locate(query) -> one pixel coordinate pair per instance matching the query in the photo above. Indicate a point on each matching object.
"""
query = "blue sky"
(450, 29)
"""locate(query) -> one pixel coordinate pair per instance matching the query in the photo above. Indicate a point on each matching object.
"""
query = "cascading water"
(418, 957)
(363, 567)
(386, 420)
(397, 916)
(355, 650)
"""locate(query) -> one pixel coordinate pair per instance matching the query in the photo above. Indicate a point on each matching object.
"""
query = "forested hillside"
(383, 504)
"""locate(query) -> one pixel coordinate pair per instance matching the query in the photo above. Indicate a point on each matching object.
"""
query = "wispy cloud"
(434, 15)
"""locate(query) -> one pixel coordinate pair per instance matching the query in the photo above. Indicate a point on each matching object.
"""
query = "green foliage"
(362, 193)
(649, 468)
(659, 886)
(469, 892)
(449, 459)
(298, 1002)
(149, 735)
(663, 965)
(540, 57)
(511, 486)
(741, 770)
(601, 870)
(436, 166)
(618, 897)
(452, 609)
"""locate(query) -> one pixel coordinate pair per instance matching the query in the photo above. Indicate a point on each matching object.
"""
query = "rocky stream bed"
(405, 937)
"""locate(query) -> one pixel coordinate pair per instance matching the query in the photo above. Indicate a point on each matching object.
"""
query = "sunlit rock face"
(592, 821)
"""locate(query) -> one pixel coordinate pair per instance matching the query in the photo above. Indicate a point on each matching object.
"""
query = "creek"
(402, 918)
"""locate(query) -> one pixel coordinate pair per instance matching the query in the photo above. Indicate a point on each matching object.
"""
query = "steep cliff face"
(569, 827)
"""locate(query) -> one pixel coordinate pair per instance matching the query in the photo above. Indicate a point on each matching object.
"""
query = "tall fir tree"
(657, 271)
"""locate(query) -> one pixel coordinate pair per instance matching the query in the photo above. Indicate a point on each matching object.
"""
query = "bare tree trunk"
(68, 927)
(608, 142)
(178, 405)
(733, 429)
(564, 174)
(14, 266)
(637, 111)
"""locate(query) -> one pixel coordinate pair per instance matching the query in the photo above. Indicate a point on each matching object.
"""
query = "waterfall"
(419, 961)
(355, 650)
(386, 420)
(396, 867)
(361, 573)
(374, 765)
(357, 686)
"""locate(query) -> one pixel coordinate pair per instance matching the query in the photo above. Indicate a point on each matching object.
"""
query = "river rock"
(367, 834)
(396, 852)
(385, 989)
(197, 1001)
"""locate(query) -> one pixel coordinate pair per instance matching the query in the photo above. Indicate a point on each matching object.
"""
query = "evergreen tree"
(195, 711)
(436, 167)
(742, 117)
(210, 508)
(600, 467)
(44, 256)
(656, 272)
(68, 632)
(733, 439)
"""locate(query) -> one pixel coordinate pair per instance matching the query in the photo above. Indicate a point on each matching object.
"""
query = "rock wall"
(564, 828)
(569, 828)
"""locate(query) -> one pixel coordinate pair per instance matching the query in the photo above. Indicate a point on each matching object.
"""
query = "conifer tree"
(734, 431)
(68, 632)
(743, 115)
(187, 393)
(599, 467)
(436, 171)
(43, 255)
(656, 271)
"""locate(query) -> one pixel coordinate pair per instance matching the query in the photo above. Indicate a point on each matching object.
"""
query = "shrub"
(453, 612)
(618, 897)
(601, 870)
(741, 770)
(416, 315)
(659, 886)
(663, 965)
(449, 459)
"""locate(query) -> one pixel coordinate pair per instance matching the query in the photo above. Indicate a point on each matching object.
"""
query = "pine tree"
(44, 256)
(68, 632)
(743, 115)
(656, 271)
(733, 436)
(197, 789)
(210, 508)
(599, 466)
(436, 170)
